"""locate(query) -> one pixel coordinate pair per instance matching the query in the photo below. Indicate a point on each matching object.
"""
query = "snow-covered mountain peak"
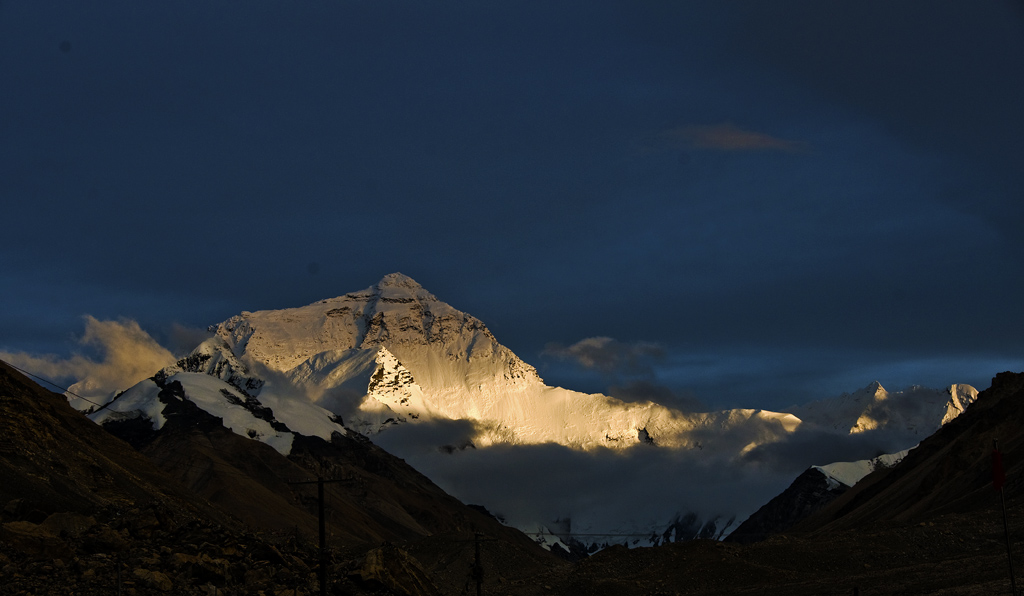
(873, 392)
(960, 396)
(437, 360)
(917, 410)
(393, 288)
(395, 312)
(398, 280)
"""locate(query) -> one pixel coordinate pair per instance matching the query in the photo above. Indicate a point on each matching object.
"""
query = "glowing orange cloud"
(129, 356)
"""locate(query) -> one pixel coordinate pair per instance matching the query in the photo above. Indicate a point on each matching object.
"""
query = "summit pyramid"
(394, 353)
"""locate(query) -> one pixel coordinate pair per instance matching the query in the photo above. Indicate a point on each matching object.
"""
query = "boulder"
(203, 567)
(103, 539)
(395, 570)
(34, 540)
(68, 524)
(153, 579)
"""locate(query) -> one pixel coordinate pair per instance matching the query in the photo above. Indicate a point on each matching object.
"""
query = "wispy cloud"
(127, 355)
(608, 355)
(729, 137)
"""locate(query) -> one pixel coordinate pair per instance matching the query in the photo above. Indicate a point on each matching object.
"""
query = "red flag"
(998, 474)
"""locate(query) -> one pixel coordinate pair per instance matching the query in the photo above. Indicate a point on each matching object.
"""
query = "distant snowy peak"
(918, 411)
(397, 313)
(960, 396)
(850, 473)
(562, 535)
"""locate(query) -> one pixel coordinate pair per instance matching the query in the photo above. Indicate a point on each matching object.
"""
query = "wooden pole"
(320, 481)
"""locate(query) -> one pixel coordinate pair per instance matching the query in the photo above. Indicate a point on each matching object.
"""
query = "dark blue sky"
(786, 200)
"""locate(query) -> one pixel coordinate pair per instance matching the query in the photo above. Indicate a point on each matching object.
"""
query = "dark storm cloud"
(187, 163)
(937, 75)
(936, 72)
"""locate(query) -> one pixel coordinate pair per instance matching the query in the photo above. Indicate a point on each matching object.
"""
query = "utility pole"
(320, 482)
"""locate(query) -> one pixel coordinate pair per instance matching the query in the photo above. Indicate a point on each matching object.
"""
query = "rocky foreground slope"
(80, 504)
(200, 509)
(930, 524)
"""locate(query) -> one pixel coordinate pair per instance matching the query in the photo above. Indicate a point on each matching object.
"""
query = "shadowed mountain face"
(53, 459)
(811, 491)
(201, 507)
(373, 496)
(61, 461)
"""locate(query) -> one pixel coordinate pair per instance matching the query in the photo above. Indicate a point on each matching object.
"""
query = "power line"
(599, 535)
(47, 381)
